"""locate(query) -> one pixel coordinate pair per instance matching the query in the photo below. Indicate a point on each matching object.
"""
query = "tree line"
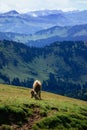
(57, 86)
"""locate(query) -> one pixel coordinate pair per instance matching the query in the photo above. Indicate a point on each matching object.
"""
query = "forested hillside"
(61, 66)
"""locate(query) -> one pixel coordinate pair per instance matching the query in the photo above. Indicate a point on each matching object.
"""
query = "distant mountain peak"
(12, 12)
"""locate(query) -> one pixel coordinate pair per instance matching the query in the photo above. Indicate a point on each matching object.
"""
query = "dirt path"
(31, 121)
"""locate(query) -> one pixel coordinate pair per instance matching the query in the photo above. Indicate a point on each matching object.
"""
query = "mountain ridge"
(47, 36)
(31, 24)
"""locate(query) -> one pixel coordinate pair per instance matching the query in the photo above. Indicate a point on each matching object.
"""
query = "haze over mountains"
(39, 28)
(55, 50)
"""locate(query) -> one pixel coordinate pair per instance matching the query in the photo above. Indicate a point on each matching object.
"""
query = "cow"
(36, 91)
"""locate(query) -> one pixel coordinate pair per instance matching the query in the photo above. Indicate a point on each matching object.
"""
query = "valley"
(40, 28)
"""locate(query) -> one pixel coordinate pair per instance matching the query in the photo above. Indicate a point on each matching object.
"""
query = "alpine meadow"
(48, 46)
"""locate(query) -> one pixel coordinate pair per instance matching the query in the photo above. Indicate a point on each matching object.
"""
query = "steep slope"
(63, 64)
(19, 111)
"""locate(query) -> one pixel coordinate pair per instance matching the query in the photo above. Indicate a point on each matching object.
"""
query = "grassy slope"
(18, 110)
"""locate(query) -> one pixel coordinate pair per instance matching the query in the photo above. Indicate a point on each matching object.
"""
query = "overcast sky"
(29, 5)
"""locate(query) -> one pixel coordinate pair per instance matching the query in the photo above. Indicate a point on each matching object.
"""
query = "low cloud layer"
(28, 5)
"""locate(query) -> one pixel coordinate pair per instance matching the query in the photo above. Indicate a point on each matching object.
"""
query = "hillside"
(18, 111)
(62, 66)
(56, 33)
(31, 22)
(47, 36)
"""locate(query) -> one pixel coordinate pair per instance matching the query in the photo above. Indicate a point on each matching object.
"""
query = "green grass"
(54, 111)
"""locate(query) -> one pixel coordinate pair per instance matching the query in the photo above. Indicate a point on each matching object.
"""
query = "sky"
(31, 5)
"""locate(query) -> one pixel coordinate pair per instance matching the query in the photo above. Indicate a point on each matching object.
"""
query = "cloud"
(43, 4)
(28, 5)
(4, 7)
(80, 4)
(81, 1)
